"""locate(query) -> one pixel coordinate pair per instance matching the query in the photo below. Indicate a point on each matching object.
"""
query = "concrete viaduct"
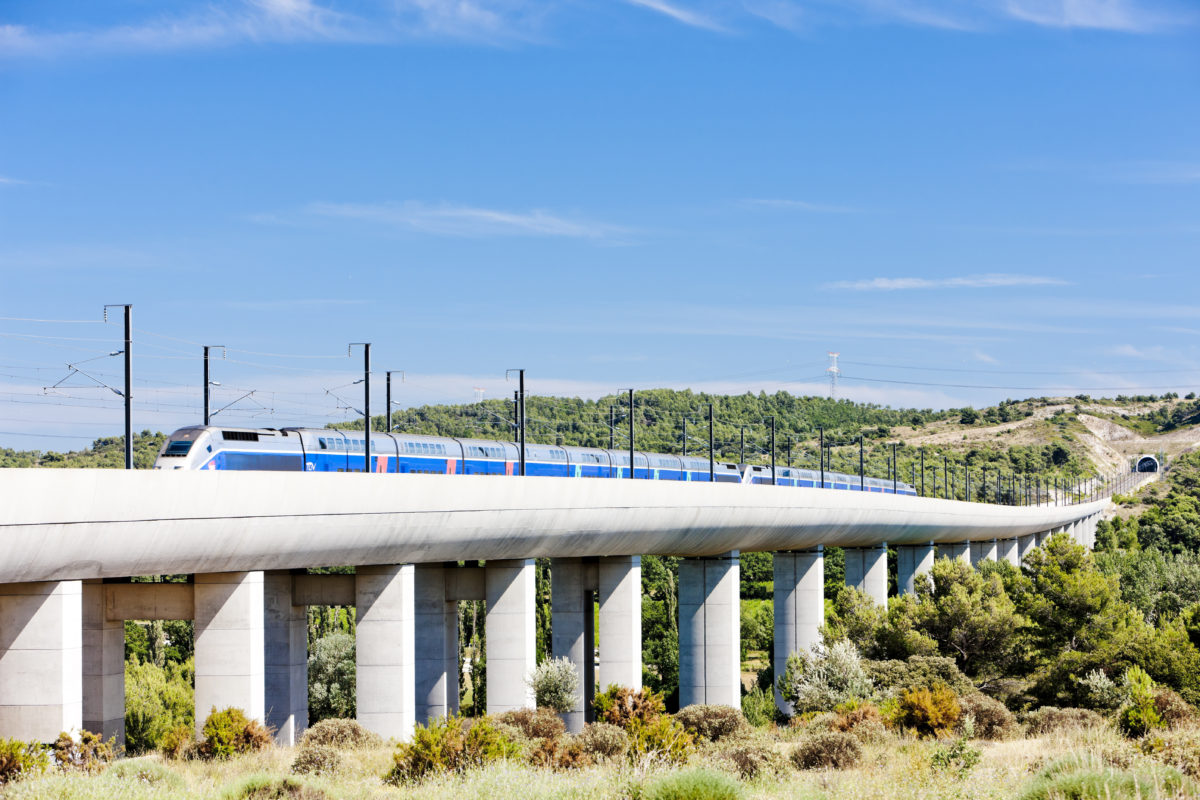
(70, 539)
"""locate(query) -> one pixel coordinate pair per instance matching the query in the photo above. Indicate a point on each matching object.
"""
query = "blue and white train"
(330, 450)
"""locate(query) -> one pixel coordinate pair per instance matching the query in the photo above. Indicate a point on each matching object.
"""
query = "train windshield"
(179, 447)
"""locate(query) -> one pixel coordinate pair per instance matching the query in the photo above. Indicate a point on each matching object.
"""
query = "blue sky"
(977, 200)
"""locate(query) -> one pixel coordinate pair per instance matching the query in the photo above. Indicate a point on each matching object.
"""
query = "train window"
(179, 447)
(321, 441)
(239, 436)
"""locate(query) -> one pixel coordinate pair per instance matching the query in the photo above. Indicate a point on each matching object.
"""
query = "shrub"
(1138, 716)
(228, 733)
(828, 750)
(91, 754)
(1180, 750)
(1172, 709)
(992, 720)
(663, 739)
(758, 706)
(1085, 783)
(1100, 690)
(618, 705)
(555, 684)
(602, 740)
(449, 744)
(157, 700)
(957, 757)
(332, 678)
(344, 734)
(928, 712)
(1048, 719)
(317, 759)
(918, 672)
(711, 722)
(862, 720)
(751, 759)
(697, 784)
(827, 677)
(151, 773)
(559, 753)
(176, 743)
(265, 787)
(541, 723)
(20, 759)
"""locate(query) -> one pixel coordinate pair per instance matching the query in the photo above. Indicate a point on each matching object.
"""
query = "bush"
(957, 757)
(1172, 709)
(918, 672)
(1085, 783)
(541, 723)
(1048, 719)
(758, 706)
(151, 773)
(559, 753)
(663, 740)
(862, 720)
(176, 744)
(265, 787)
(711, 722)
(751, 759)
(317, 759)
(698, 784)
(928, 712)
(618, 705)
(827, 677)
(449, 744)
(555, 684)
(228, 733)
(1180, 750)
(20, 759)
(332, 678)
(91, 754)
(1100, 690)
(157, 700)
(828, 750)
(602, 741)
(344, 734)
(992, 720)
(1138, 716)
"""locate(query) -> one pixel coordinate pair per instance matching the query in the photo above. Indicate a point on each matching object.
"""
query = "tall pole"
(388, 375)
(685, 435)
(789, 450)
(895, 469)
(712, 453)
(522, 391)
(612, 427)
(366, 380)
(773, 483)
(822, 446)
(946, 477)
(631, 433)
(742, 451)
(862, 481)
(128, 387)
(922, 472)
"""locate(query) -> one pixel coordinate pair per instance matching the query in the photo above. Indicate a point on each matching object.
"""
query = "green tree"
(332, 675)
(157, 700)
(660, 626)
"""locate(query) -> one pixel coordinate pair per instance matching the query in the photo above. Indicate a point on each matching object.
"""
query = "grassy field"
(1071, 765)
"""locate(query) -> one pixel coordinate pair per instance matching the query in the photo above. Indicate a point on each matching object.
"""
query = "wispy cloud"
(467, 221)
(988, 281)
(1127, 16)
(7, 181)
(797, 205)
(979, 355)
(680, 14)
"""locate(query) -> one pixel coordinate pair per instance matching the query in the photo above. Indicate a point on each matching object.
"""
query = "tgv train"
(330, 450)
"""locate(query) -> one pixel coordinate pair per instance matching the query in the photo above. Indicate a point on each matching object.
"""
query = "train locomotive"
(333, 450)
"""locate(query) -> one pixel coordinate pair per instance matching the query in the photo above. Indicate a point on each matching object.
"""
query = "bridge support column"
(983, 551)
(799, 607)
(866, 570)
(436, 643)
(573, 584)
(41, 659)
(710, 631)
(510, 634)
(620, 581)
(1006, 550)
(958, 551)
(1024, 545)
(229, 644)
(911, 561)
(384, 650)
(103, 666)
(285, 634)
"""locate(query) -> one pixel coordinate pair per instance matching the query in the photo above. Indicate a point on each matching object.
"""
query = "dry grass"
(898, 769)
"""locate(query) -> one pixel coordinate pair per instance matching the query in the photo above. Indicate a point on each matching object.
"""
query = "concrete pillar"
(229, 644)
(710, 631)
(958, 551)
(866, 570)
(1006, 550)
(1024, 545)
(103, 666)
(41, 659)
(799, 606)
(384, 650)
(572, 629)
(911, 561)
(510, 634)
(981, 551)
(436, 648)
(285, 637)
(620, 581)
